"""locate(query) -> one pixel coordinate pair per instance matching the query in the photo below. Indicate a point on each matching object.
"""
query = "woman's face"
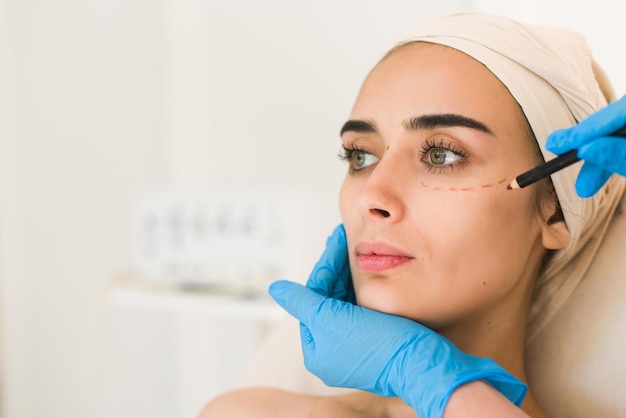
(433, 234)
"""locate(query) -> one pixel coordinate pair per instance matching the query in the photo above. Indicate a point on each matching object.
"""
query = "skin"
(466, 251)
(386, 201)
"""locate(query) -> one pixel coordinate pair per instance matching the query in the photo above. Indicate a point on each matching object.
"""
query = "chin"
(397, 301)
(378, 298)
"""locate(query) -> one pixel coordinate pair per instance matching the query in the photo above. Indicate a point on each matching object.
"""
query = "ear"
(555, 235)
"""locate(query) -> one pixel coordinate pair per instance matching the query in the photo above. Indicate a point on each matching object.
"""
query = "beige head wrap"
(551, 74)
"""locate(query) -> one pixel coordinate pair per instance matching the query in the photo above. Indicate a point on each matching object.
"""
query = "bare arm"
(275, 403)
(259, 403)
(479, 400)
(473, 400)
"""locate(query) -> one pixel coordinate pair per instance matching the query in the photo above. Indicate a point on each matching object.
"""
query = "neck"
(499, 333)
(503, 341)
(497, 330)
(499, 336)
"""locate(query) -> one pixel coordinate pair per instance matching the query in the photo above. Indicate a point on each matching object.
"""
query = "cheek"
(481, 223)
(482, 240)
(343, 197)
(472, 250)
(347, 202)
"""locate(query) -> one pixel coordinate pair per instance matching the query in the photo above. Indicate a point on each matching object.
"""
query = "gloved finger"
(561, 141)
(308, 343)
(298, 300)
(330, 275)
(333, 284)
(608, 152)
(601, 123)
(326, 281)
(590, 179)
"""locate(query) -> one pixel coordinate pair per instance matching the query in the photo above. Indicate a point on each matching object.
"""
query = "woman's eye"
(361, 159)
(357, 159)
(442, 156)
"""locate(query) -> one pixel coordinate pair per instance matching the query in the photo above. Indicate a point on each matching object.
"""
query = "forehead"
(434, 63)
(422, 78)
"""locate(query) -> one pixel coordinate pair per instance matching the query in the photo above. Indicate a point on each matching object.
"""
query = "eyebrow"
(430, 121)
(359, 126)
(444, 120)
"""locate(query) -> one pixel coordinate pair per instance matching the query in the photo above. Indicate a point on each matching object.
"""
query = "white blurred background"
(103, 101)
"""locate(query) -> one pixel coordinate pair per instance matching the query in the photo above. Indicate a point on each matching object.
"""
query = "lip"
(377, 257)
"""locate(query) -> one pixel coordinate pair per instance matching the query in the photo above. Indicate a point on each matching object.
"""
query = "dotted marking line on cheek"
(464, 189)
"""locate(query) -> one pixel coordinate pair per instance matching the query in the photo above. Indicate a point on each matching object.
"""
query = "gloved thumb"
(329, 277)
(608, 153)
(590, 179)
(298, 300)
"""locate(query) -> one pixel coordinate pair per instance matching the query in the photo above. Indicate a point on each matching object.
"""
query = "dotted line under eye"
(463, 189)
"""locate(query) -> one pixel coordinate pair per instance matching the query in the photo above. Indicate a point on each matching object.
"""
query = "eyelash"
(429, 145)
(347, 154)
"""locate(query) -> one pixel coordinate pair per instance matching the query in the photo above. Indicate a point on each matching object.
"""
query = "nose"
(380, 198)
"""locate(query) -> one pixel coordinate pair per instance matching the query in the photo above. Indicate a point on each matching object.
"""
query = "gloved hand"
(353, 347)
(331, 274)
(603, 154)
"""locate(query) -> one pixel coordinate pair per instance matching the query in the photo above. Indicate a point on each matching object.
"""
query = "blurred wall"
(88, 132)
(110, 98)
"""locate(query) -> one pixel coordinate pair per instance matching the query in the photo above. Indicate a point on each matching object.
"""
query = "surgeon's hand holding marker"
(602, 152)
(350, 346)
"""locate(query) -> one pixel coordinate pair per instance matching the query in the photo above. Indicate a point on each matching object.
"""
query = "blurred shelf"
(148, 295)
(172, 349)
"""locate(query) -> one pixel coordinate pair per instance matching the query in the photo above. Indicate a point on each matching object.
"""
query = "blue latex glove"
(603, 154)
(331, 274)
(353, 347)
